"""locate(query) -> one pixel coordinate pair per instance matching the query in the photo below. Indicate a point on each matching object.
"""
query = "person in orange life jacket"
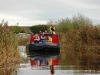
(49, 39)
(52, 29)
(43, 39)
(36, 38)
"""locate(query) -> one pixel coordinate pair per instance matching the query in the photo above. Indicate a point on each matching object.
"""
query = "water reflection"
(44, 62)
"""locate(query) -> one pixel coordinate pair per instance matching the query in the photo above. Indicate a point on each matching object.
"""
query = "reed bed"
(81, 46)
(9, 54)
(23, 41)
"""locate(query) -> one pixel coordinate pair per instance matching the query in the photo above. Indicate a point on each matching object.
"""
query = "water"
(40, 64)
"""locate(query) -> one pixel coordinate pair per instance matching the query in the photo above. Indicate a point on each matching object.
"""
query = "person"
(49, 39)
(50, 62)
(46, 32)
(31, 38)
(40, 32)
(52, 29)
(46, 35)
(42, 38)
(36, 38)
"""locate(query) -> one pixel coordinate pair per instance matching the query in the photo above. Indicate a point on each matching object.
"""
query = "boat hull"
(43, 47)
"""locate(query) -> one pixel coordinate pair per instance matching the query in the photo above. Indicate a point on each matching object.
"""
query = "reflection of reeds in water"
(81, 45)
(9, 54)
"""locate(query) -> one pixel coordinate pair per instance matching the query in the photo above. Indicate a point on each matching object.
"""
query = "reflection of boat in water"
(44, 62)
(41, 47)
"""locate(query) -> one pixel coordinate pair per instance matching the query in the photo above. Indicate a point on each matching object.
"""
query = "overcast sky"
(32, 12)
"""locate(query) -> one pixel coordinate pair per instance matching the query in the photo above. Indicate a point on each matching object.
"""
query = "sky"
(33, 12)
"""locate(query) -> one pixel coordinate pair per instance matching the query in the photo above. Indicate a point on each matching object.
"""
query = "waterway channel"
(41, 64)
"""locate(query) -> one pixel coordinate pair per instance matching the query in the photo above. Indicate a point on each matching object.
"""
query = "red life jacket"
(31, 38)
(36, 37)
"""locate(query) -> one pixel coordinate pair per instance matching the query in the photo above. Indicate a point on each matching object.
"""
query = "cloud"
(13, 20)
(30, 12)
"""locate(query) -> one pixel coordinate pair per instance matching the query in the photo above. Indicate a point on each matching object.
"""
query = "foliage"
(37, 28)
(18, 29)
(64, 25)
(80, 20)
(76, 22)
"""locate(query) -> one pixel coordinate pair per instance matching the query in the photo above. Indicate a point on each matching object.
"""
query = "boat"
(44, 47)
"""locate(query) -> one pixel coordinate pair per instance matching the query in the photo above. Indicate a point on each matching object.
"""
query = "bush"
(18, 29)
(76, 22)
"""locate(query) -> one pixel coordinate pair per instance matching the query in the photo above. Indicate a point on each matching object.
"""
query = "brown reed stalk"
(80, 45)
(9, 54)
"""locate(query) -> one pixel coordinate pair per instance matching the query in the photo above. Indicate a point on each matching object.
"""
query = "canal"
(48, 64)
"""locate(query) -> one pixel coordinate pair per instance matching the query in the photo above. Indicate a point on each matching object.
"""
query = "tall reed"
(81, 45)
(9, 54)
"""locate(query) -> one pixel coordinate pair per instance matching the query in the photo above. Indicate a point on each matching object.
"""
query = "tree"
(37, 28)
(18, 29)
(80, 20)
(76, 22)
